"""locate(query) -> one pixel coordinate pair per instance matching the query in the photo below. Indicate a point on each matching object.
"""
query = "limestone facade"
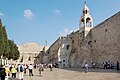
(28, 53)
(89, 44)
(100, 45)
(53, 51)
(41, 57)
(59, 52)
(105, 40)
(64, 51)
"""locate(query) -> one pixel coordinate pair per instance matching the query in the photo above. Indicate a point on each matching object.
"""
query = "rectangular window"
(73, 41)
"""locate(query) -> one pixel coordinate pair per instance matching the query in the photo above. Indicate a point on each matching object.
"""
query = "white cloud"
(66, 31)
(28, 14)
(1, 14)
(56, 11)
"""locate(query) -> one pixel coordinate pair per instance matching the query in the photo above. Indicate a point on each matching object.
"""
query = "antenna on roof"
(45, 42)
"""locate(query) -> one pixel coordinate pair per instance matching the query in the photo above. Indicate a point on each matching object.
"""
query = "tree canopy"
(8, 49)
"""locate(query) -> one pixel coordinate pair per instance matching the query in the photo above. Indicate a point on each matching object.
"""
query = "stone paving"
(74, 74)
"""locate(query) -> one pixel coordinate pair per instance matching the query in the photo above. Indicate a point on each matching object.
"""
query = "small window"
(67, 47)
(95, 41)
(89, 42)
(72, 41)
(48, 52)
(21, 59)
(105, 30)
(63, 60)
(83, 12)
(86, 11)
(29, 59)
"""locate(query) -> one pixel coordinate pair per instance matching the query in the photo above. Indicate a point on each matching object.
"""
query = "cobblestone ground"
(74, 74)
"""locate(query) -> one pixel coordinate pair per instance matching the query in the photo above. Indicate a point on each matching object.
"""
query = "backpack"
(21, 69)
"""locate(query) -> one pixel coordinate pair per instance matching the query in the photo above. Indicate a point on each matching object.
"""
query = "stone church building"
(28, 53)
(89, 44)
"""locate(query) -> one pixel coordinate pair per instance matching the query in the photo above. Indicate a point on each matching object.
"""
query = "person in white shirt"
(86, 67)
(20, 70)
(30, 70)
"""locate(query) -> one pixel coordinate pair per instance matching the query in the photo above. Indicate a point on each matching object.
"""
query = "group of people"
(111, 65)
(10, 71)
(106, 65)
(6, 71)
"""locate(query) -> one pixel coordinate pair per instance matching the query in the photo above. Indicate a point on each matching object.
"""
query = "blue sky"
(40, 20)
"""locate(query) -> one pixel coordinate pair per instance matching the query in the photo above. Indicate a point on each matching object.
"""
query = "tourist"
(30, 70)
(13, 71)
(20, 70)
(86, 67)
(93, 65)
(25, 67)
(117, 65)
(106, 65)
(7, 70)
(41, 68)
(51, 66)
(2, 73)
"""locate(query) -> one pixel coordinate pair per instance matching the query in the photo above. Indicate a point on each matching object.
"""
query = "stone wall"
(105, 40)
(74, 36)
(53, 51)
(100, 45)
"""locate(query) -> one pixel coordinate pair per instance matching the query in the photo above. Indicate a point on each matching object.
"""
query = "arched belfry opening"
(86, 21)
(82, 23)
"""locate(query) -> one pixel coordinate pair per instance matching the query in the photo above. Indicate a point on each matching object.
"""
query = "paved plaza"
(74, 74)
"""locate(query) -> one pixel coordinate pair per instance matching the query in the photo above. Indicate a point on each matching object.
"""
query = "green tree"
(6, 44)
(1, 40)
(8, 49)
(14, 53)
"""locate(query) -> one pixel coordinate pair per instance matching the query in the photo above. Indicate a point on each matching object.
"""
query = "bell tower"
(86, 21)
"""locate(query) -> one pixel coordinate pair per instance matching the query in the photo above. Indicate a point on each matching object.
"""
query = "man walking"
(20, 70)
(117, 65)
(30, 70)
(41, 69)
(86, 67)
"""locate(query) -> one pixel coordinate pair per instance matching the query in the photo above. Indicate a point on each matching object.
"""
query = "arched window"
(29, 59)
(67, 47)
(21, 59)
(86, 11)
(88, 22)
(82, 23)
(83, 11)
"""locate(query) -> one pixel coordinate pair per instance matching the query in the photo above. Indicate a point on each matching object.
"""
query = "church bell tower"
(86, 21)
